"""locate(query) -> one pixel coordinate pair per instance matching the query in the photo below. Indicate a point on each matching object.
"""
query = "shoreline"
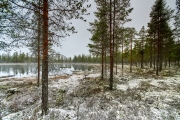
(53, 63)
(16, 63)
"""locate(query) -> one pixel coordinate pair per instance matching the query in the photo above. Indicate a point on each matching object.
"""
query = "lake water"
(26, 70)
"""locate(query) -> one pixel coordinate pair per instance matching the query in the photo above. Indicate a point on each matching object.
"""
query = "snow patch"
(122, 87)
(134, 84)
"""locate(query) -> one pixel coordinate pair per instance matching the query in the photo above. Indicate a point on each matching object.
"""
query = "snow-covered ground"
(136, 96)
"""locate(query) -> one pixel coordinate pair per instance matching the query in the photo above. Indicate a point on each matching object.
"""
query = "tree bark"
(154, 49)
(116, 57)
(45, 59)
(142, 54)
(160, 55)
(0, 111)
(39, 37)
(158, 51)
(131, 56)
(151, 54)
(122, 52)
(105, 63)
(111, 50)
(169, 61)
(102, 71)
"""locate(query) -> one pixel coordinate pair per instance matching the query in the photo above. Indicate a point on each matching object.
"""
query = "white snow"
(134, 84)
(159, 100)
(122, 87)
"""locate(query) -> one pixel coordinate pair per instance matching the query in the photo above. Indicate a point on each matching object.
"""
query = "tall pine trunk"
(102, 71)
(105, 69)
(161, 56)
(116, 57)
(111, 50)
(142, 54)
(0, 111)
(151, 54)
(131, 56)
(39, 37)
(158, 51)
(122, 52)
(45, 59)
(169, 61)
(154, 52)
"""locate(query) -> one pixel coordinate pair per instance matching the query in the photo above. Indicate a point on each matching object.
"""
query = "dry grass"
(60, 77)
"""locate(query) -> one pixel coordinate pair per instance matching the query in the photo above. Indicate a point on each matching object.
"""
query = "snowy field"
(136, 96)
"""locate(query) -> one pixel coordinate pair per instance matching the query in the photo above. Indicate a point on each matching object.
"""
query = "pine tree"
(54, 28)
(177, 32)
(118, 12)
(132, 36)
(111, 16)
(57, 26)
(142, 37)
(6, 10)
(177, 21)
(122, 10)
(160, 16)
(99, 31)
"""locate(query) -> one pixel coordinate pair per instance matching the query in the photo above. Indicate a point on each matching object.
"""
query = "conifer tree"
(55, 26)
(131, 32)
(99, 30)
(52, 14)
(142, 37)
(111, 16)
(118, 12)
(177, 32)
(177, 21)
(160, 16)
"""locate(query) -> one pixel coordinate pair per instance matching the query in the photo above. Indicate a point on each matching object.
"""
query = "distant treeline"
(26, 58)
(16, 58)
(86, 59)
(53, 58)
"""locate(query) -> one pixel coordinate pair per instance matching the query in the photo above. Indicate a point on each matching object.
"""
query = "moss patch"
(60, 97)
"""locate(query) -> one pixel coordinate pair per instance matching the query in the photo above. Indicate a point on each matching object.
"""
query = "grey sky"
(77, 43)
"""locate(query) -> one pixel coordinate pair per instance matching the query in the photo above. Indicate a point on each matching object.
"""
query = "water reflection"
(82, 67)
(31, 69)
(17, 70)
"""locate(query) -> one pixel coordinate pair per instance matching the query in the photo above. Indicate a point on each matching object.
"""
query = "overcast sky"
(77, 43)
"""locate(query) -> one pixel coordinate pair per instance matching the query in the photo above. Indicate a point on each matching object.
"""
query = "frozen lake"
(26, 70)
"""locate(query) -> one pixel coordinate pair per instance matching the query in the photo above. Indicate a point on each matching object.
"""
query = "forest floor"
(140, 95)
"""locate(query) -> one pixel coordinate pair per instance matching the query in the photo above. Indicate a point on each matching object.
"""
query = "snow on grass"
(134, 98)
(122, 87)
(134, 84)
(10, 116)
(60, 114)
(94, 75)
